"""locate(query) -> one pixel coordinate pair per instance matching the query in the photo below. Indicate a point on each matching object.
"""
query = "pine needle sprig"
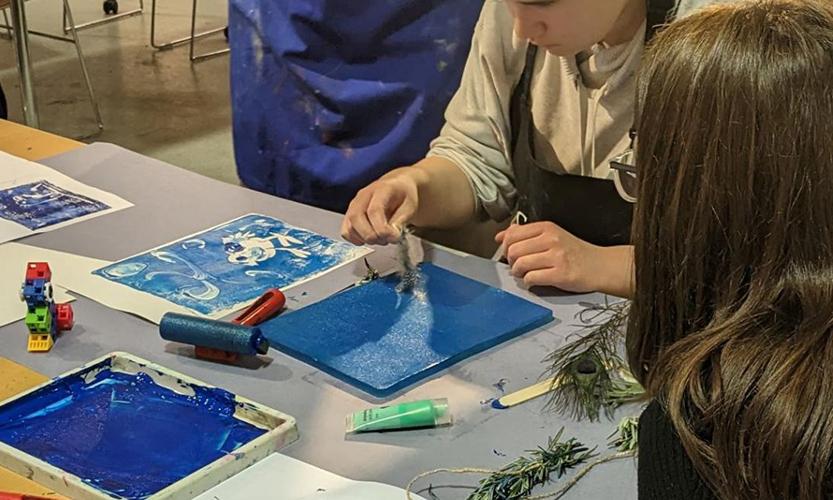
(623, 391)
(626, 442)
(626, 436)
(517, 479)
(369, 275)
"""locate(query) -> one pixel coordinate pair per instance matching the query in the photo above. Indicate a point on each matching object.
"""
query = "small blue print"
(41, 204)
(221, 269)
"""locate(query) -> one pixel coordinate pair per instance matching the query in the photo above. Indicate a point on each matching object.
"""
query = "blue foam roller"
(213, 334)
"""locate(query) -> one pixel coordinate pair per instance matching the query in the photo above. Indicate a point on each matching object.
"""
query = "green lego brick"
(39, 320)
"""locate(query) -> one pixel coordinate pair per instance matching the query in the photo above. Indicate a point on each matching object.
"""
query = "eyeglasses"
(624, 171)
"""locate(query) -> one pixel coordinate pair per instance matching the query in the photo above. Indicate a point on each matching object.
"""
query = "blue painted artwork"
(40, 204)
(381, 340)
(122, 433)
(224, 268)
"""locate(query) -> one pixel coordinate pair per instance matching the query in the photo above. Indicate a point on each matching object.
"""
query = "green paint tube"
(425, 413)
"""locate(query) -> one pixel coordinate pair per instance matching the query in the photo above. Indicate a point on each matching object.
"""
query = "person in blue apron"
(327, 95)
(545, 107)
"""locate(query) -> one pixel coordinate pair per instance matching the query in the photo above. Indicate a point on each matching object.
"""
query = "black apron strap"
(588, 208)
(520, 95)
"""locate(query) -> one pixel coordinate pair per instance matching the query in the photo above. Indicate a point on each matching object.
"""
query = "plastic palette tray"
(123, 427)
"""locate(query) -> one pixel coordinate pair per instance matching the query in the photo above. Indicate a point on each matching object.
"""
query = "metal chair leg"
(74, 40)
(7, 24)
(21, 34)
(164, 45)
(93, 101)
(109, 19)
(186, 39)
(194, 37)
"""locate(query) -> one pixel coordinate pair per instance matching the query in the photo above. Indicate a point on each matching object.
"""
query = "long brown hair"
(731, 325)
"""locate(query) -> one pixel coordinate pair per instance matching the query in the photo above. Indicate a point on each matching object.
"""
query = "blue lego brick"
(36, 293)
(38, 286)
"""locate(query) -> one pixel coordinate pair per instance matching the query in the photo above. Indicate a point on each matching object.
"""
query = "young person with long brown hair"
(731, 327)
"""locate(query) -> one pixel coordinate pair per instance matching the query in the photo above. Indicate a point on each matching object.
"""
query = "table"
(32, 144)
(21, 37)
(171, 202)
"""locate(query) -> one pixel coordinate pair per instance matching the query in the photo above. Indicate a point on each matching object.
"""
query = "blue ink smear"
(122, 433)
(219, 269)
(41, 204)
(382, 341)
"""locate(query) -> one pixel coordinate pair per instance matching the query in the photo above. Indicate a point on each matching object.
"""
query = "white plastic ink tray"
(123, 427)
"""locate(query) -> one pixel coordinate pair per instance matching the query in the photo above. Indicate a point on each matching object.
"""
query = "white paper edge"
(294, 479)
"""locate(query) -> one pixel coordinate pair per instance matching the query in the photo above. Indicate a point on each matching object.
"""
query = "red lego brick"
(38, 270)
(66, 318)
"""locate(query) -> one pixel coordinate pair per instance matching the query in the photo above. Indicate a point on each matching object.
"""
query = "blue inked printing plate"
(381, 341)
(124, 428)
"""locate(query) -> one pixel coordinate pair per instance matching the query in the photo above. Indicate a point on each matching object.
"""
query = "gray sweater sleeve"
(476, 135)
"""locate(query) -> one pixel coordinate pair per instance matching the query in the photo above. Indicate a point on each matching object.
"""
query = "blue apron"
(328, 95)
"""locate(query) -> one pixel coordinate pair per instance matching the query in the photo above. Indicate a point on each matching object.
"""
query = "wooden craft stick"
(541, 388)
(525, 394)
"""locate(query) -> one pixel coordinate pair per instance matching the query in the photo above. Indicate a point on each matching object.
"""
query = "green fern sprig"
(517, 479)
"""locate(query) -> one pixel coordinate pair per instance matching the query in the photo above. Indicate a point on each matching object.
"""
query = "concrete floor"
(156, 103)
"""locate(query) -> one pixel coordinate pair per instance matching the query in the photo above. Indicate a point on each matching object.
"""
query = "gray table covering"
(171, 202)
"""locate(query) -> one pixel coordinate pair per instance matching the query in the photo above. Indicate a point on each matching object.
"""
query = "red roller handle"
(269, 304)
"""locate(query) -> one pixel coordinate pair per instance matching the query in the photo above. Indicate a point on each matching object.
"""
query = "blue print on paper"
(220, 269)
(41, 204)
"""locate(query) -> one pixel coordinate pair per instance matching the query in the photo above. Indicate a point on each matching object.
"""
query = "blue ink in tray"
(381, 341)
(122, 433)
(40, 204)
(232, 264)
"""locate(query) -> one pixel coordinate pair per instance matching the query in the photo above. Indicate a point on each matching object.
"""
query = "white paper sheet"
(279, 476)
(65, 268)
(35, 199)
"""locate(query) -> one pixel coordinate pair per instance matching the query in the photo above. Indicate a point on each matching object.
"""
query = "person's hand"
(543, 254)
(378, 213)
